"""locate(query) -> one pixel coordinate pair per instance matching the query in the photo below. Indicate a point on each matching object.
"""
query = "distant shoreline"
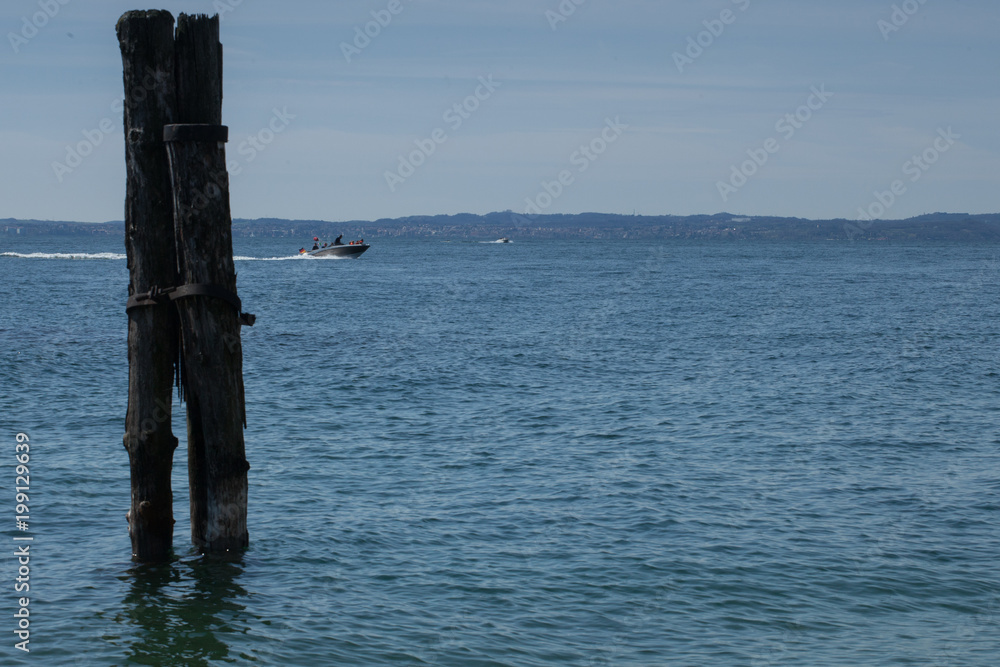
(596, 226)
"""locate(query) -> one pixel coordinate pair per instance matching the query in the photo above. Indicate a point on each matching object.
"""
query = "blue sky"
(704, 131)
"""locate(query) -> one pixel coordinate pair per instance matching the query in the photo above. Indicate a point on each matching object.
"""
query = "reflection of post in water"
(180, 612)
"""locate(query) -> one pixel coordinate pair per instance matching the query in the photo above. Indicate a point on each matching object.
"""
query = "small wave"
(65, 255)
(242, 258)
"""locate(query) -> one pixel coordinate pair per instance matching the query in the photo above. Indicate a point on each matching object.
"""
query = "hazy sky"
(759, 107)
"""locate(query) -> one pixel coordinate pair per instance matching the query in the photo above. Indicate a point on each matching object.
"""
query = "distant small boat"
(503, 240)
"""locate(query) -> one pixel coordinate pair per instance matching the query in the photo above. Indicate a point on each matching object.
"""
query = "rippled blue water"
(542, 453)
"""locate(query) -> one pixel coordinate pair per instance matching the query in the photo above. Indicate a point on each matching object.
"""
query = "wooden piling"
(184, 314)
(147, 45)
(212, 355)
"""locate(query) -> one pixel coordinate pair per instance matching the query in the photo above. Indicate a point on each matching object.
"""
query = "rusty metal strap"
(207, 289)
(154, 296)
(196, 132)
(157, 295)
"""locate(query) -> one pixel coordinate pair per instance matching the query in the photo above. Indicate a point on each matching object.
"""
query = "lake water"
(541, 453)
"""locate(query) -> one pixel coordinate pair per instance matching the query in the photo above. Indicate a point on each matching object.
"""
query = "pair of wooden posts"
(184, 315)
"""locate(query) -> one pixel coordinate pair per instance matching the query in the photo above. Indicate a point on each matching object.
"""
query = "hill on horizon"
(603, 226)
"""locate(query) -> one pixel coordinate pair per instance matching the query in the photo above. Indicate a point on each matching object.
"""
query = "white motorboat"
(354, 249)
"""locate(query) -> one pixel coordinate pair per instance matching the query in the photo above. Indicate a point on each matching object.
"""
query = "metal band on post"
(157, 295)
(196, 132)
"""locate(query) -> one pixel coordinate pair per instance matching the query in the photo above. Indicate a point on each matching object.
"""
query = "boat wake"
(117, 256)
(65, 255)
(287, 258)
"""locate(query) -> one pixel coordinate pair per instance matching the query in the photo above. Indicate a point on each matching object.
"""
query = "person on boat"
(337, 241)
(315, 246)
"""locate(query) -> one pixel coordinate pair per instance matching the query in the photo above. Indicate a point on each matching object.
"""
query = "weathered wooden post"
(212, 354)
(184, 314)
(147, 45)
